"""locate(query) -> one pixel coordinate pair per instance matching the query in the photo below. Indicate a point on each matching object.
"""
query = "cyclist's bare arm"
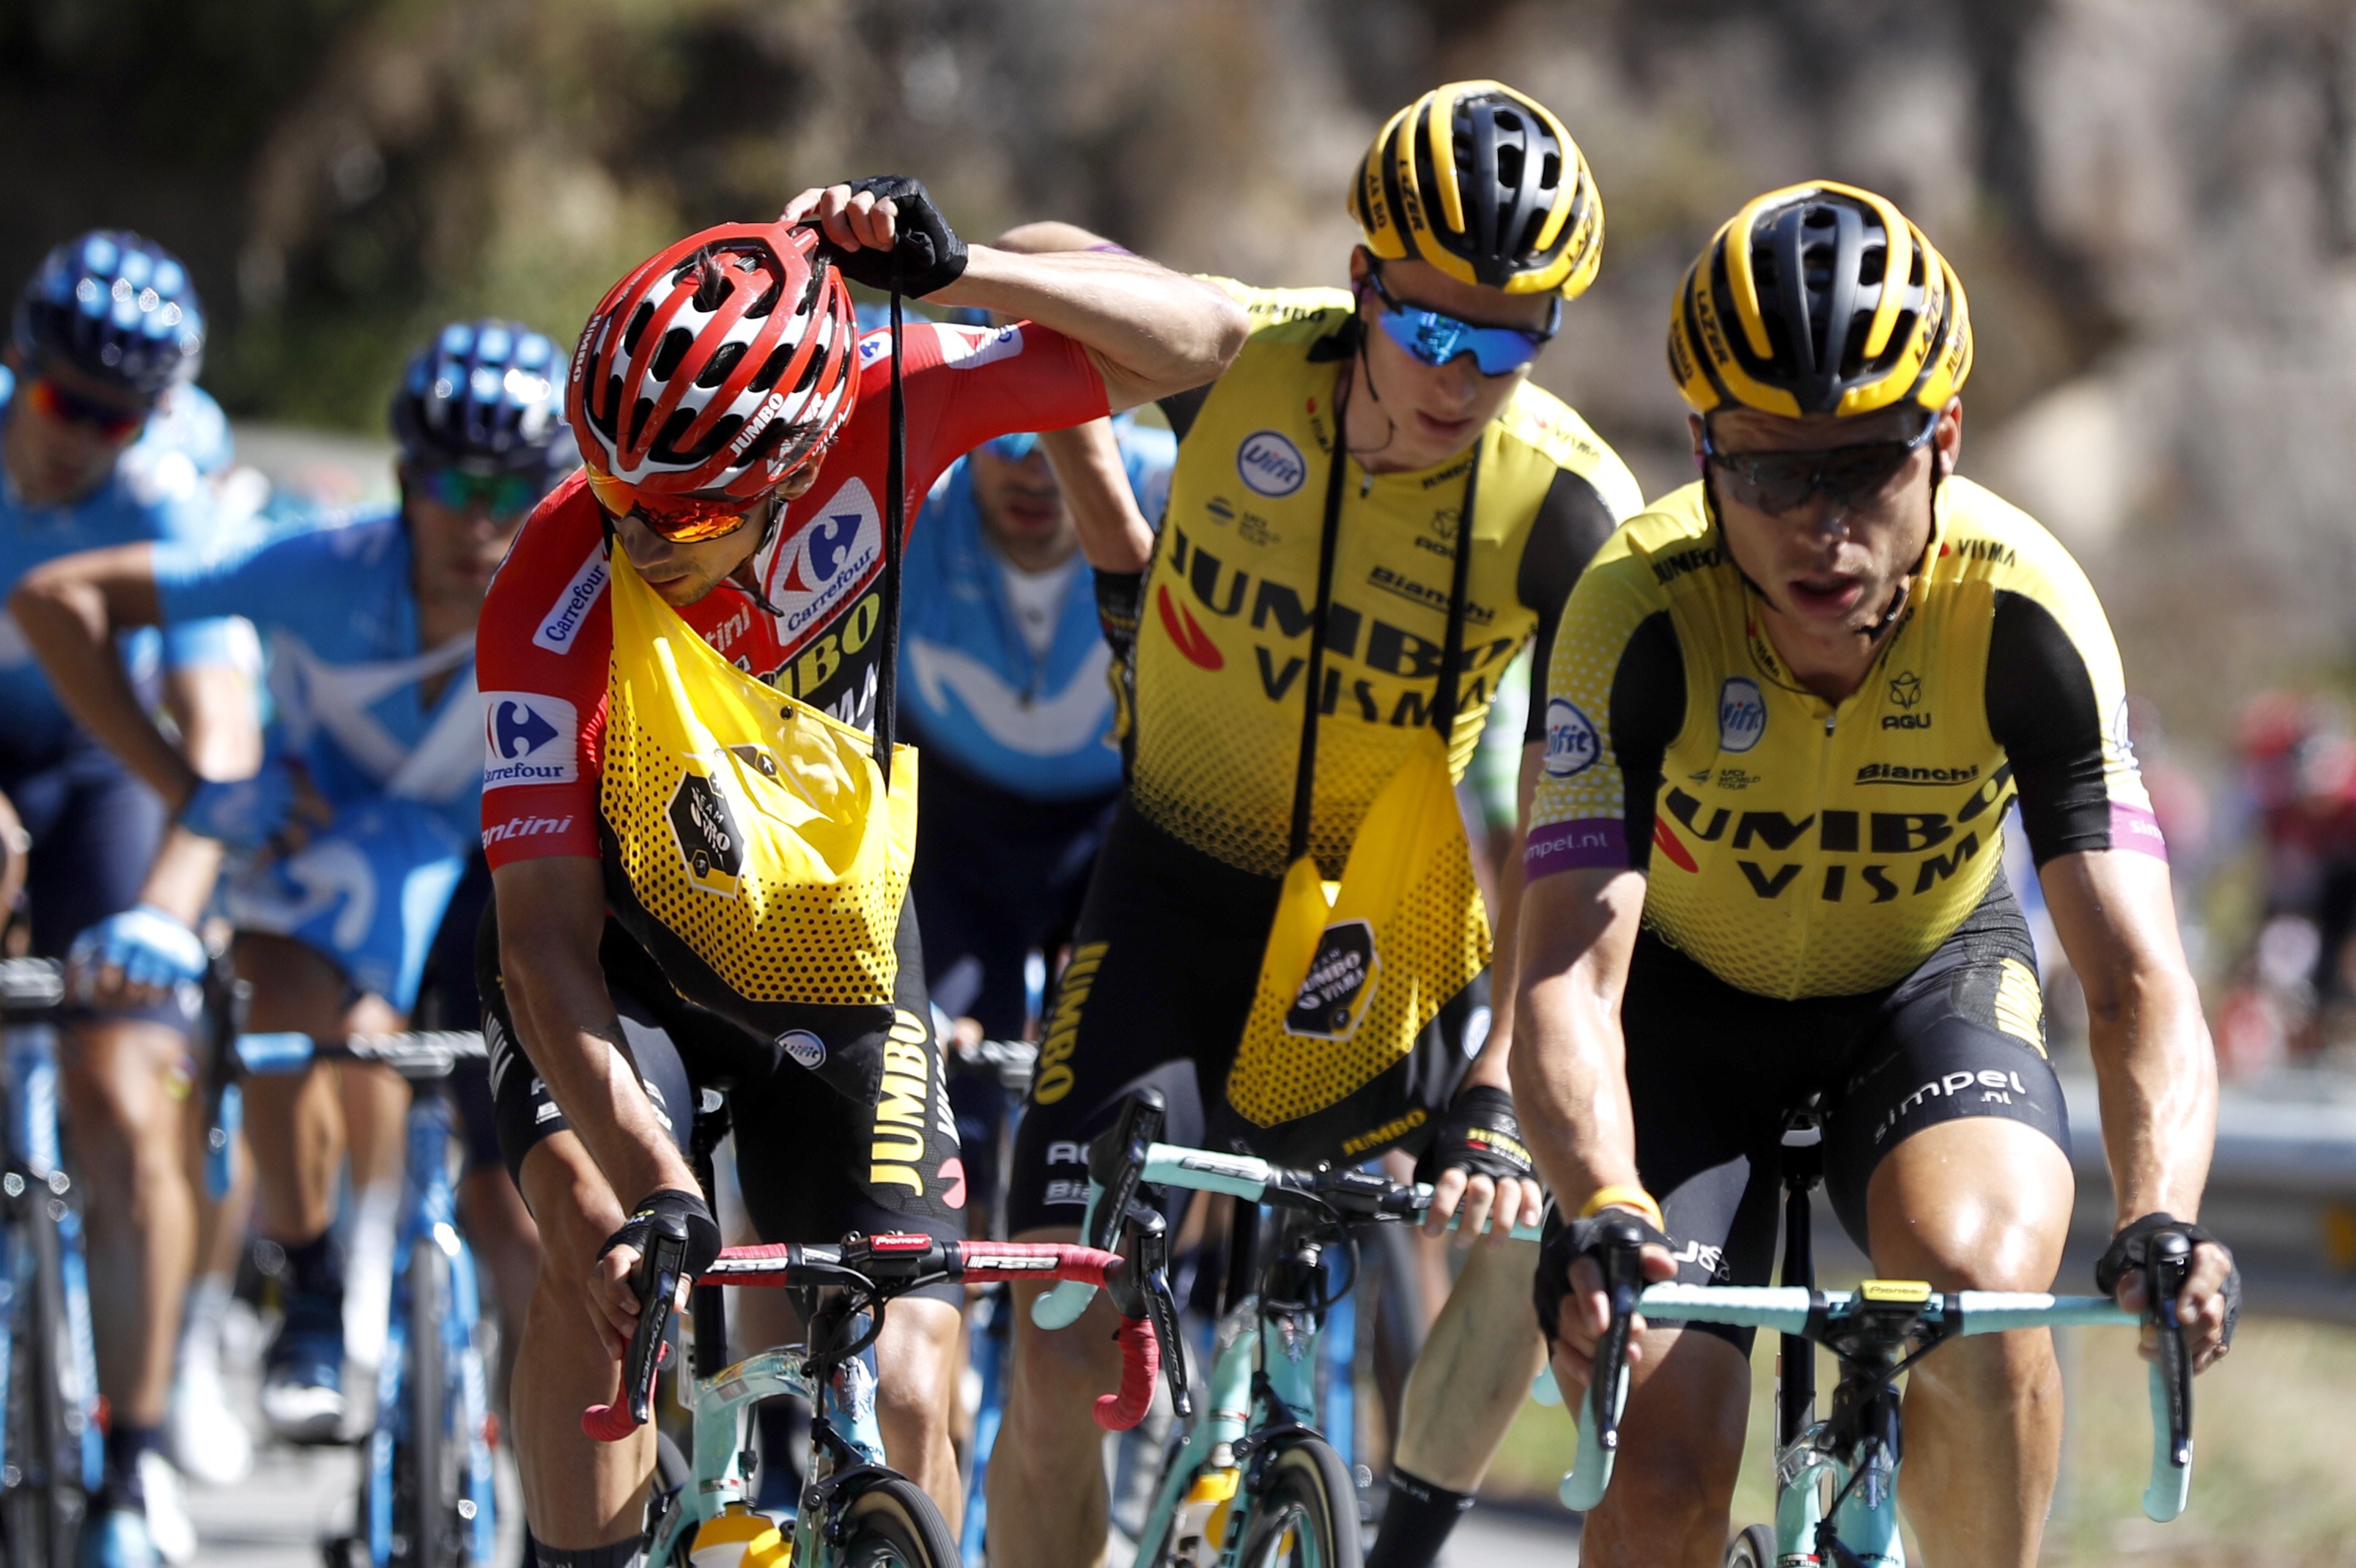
(2153, 1059)
(1150, 332)
(1493, 1066)
(1114, 535)
(551, 916)
(1577, 933)
(69, 611)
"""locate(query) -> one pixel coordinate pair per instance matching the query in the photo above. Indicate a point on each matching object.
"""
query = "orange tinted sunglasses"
(682, 520)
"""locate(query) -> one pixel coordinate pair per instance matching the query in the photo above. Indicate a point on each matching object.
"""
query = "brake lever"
(1151, 1265)
(665, 1260)
(2166, 1265)
(1623, 1262)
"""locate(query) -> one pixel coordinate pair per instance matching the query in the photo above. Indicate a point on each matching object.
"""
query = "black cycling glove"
(1567, 1241)
(926, 254)
(2131, 1249)
(1480, 1137)
(703, 1230)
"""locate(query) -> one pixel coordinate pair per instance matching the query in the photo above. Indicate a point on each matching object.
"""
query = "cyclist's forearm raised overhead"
(1149, 331)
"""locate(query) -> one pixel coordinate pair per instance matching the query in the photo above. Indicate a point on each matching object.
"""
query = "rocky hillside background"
(2153, 202)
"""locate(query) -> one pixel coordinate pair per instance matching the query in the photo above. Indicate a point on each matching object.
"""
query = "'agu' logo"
(1742, 714)
(1270, 464)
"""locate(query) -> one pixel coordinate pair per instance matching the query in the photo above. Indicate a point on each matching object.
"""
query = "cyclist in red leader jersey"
(765, 535)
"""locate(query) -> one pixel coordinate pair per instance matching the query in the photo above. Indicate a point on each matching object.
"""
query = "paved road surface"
(276, 1518)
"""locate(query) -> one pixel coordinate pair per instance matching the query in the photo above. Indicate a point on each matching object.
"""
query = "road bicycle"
(854, 1511)
(52, 1452)
(1005, 1064)
(1254, 1483)
(1837, 1478)
(427, 1496)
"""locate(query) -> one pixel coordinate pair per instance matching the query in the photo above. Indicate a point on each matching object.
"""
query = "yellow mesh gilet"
(751, 826)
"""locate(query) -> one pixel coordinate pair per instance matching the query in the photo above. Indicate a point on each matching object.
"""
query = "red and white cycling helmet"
(711, 373)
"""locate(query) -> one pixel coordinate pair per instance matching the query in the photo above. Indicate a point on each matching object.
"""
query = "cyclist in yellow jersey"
(1787, 711)
(1352, 430)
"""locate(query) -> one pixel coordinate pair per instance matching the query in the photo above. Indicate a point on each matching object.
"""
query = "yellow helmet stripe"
(1895, 273)
(1436, 118)
(1706, 316)
(1574, 166)
(1734, 240)
(1380, 214)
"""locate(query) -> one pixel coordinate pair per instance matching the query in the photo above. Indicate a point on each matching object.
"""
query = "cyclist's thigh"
(449, 1000)
(524, 1112)
(1162, 968)
(815, 1167)
(369, 893)
(1711, 1071)
(95, 831)
(1963, 1036)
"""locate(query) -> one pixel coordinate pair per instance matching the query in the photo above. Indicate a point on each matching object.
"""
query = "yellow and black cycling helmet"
(1820, 299)
(1484, 183)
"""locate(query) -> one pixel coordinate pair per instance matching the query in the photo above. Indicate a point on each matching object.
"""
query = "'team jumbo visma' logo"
(822, 566)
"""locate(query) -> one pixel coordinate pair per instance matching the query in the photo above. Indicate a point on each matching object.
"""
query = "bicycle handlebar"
(1951, 1315)
(419, 1055)
(1354, 1194)
(889, 1266)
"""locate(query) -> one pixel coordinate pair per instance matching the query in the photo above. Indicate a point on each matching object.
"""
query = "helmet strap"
(1358, 335)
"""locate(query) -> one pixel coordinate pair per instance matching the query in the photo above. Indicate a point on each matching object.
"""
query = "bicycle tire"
(894, 1524)
(1304, 1512)
(1752, 1547)
(44, 1503)
(427, 1465)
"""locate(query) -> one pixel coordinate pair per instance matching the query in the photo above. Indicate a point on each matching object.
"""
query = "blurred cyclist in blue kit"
(1003, 686)
(356, 838)
(103, 344)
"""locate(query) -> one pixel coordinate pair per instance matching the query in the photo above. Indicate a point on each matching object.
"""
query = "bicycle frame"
(843, 1436)
(429, 1213)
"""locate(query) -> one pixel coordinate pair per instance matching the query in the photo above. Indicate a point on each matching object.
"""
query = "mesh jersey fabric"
(1802, 849)
(1224, 635)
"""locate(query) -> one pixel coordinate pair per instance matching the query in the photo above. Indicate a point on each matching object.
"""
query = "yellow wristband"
(1634, 1198)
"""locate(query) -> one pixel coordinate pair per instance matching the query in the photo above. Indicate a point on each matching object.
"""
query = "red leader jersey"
(547, 629)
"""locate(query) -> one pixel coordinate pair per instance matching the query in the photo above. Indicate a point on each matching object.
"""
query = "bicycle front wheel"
(1305, 1513)
(42, 1499)
(1754, 1548)
(894, 1525)
(427, 1490)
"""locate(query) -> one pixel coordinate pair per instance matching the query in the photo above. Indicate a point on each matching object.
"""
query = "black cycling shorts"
(813, 1168)
(1165, 964)
(1713, 1071)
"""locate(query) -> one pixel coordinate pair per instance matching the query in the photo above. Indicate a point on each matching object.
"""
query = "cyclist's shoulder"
(554, 575)
(1985, 538)
(1285, 316)
(1668, 551)
(1534, 420)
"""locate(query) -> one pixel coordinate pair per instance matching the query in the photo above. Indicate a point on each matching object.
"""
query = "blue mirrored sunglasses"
(1013, 448)
(1435, 338)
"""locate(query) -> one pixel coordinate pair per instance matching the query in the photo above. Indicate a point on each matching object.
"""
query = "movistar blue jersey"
(332, 601)
(970, 687)
(154, 494)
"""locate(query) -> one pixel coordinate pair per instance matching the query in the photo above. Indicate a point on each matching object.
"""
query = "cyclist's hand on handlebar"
(1481, 1173)
(134, 957)
(2209, 1306)
(1570, 1282)
(614, 1291)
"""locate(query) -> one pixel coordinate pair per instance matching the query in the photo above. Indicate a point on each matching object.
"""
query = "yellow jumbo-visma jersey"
(1797, 849)
(1223, 641)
